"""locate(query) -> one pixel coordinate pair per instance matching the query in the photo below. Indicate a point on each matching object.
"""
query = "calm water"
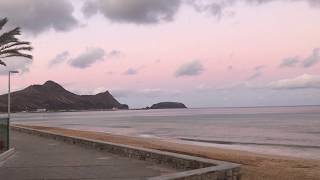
(292, 131)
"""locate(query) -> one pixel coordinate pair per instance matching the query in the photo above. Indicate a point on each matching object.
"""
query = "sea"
(286, 131)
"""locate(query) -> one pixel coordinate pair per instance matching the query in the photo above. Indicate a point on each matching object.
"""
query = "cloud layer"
(311, 60)
(88, 58)
(290, 62)
(257, 72)
(131, 71)
(192, 68)
(218, 8)
(36, 16)
(155, 11)
(137, 11)
(304, 81)
(85, 59)
(60, 58)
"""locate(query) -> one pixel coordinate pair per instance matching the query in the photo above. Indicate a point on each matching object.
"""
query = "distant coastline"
(273, 106)
(139, 109)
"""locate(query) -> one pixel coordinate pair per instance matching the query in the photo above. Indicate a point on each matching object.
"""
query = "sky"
(204, 53)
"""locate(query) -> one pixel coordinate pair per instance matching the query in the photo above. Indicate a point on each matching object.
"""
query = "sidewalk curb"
(5, 155)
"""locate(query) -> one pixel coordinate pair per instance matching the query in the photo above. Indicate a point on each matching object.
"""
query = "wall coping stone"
(6, 154)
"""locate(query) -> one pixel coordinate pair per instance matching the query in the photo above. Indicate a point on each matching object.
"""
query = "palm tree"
(10, 45)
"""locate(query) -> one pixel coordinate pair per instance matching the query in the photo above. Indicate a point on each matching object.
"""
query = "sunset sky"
(214, 53)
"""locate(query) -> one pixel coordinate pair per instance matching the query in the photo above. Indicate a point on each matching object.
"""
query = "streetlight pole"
(9, 87)
(9, 104)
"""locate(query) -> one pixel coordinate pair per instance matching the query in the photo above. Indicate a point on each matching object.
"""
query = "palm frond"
(2, 63)
(3, 22)
(17, 54)
(9, 36)
(21, 48)
(9, 45)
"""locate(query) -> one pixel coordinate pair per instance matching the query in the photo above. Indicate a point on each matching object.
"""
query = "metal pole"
(9, 103)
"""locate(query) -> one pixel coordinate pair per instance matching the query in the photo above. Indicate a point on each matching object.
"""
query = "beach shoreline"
(254, 165)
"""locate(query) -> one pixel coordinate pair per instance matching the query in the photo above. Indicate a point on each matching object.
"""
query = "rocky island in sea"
(168, 105)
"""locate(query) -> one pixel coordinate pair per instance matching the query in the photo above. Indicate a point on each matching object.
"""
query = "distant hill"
(168, 105)
(52, 96)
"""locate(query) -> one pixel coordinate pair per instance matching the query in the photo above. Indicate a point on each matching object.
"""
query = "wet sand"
(254, 166)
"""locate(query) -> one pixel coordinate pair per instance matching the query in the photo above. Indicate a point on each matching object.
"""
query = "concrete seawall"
(192, 167)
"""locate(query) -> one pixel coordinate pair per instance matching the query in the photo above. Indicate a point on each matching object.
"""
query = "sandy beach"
(254, 166)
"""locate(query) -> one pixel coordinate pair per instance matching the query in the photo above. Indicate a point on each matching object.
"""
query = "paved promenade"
(41, 158)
